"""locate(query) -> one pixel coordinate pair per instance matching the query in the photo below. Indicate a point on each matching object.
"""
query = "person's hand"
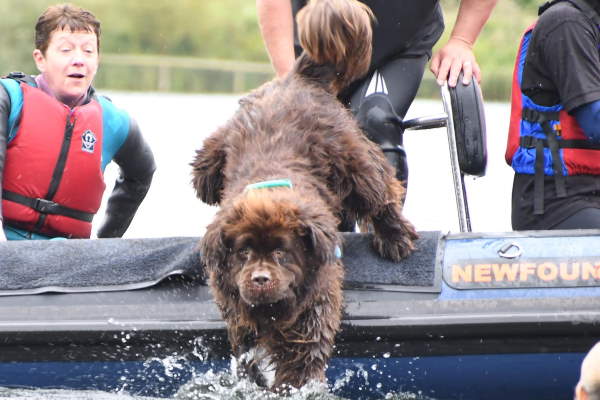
(455, 56)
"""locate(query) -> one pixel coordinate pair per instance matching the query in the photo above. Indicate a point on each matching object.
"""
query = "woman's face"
(69, 64)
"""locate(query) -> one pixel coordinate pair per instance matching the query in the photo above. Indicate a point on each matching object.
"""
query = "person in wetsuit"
(57, 136)
(404, 34)
(554, 134)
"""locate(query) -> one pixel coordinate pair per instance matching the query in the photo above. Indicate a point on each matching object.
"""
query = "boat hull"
(467, 335)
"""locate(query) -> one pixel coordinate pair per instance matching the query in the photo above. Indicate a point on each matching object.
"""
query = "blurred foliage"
(496, 47)
(227, 29)
(195, 28)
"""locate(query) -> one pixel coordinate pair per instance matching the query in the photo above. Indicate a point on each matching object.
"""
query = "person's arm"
(277, 29)
(4, 113)
(588, 118)
(137, 166)
(457, 54)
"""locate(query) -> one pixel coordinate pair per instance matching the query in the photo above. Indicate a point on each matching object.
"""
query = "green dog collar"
(270, 184)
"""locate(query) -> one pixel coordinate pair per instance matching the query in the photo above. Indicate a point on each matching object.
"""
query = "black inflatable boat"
(467, 316)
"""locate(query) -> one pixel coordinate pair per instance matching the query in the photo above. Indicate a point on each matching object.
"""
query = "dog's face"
(265, 248)
(268, 268)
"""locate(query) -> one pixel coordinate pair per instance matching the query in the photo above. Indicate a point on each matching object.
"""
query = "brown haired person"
(554, 132)
(57, 136)
(404, 33)
(588, 387)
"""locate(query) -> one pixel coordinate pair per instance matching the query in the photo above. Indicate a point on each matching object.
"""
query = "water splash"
(222, 385)
(59, 394)
(201, 375)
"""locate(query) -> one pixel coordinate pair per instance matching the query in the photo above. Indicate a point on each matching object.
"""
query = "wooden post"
(164, 78)
(238, 82)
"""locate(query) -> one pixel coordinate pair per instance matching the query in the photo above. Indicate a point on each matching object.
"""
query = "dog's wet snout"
(261, 277)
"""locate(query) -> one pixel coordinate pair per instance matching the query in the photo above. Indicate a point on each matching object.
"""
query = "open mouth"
(76, 75)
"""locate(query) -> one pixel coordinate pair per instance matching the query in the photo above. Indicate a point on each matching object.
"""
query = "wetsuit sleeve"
(4, 114)
(136, 163)
(588, 118)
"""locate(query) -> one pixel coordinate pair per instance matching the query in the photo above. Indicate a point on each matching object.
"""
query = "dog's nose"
(261, 277)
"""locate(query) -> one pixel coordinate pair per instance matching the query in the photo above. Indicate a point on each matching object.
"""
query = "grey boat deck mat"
(29, 267)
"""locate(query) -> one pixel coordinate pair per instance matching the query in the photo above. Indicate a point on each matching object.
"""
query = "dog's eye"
(244, 252)
(279, 254)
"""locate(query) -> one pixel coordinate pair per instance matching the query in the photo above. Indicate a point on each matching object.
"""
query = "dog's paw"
(396, 247)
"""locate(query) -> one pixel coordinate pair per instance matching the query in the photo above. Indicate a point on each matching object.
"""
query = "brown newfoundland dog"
(282, 170)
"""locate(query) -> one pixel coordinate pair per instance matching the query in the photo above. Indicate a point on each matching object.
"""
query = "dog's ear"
(320, 236)
(214, 246)
(207, 169)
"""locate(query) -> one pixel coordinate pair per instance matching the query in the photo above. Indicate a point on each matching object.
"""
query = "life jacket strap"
(530, 142)
(559, 178)
(21, 78)
(544, 118)
(538, 182)
(44, 206)
(531, 115)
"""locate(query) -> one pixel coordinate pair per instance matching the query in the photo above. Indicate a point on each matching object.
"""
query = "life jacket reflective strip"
(545, 141)
(56, 157)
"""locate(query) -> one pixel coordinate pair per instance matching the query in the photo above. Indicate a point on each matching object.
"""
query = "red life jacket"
(53, 181)
(531, 123)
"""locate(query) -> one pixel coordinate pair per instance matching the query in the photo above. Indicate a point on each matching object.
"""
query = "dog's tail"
(336, 37)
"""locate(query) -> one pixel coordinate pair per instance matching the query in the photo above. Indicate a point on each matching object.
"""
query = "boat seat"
(469, 127)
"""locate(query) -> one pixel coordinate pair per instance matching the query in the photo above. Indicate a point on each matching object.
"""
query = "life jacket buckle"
(43, 205)
(557, 128)
(16, 75)
(528, 142)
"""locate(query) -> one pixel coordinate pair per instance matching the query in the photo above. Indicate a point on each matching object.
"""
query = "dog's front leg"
(303, 355)
(300, 364)
(377, 197)
(394, 235)
(248, 357)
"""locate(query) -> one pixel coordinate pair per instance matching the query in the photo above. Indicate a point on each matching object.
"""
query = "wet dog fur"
(271, 253)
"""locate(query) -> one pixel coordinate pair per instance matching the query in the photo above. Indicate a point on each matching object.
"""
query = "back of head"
(61, 17)
(589, 382)
(338, 34)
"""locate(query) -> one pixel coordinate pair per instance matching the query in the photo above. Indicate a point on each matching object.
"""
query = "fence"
(180, 74)
(187, 74)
